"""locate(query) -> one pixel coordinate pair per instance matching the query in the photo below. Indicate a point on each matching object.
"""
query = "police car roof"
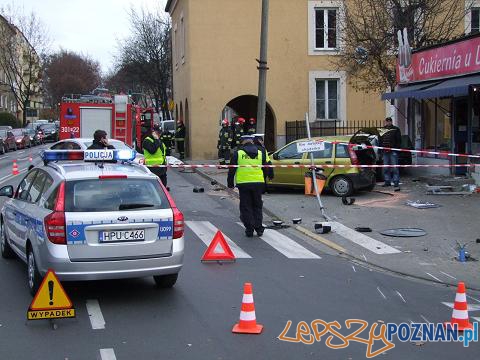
(79, 170)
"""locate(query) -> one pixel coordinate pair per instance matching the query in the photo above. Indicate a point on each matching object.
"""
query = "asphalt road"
(134, 320)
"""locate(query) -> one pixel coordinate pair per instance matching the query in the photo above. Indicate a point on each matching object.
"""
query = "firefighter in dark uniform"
(252, 126)
(180, 138)
(238, 132)
(250, 183)
(224, 143)
(167, 139)
(155, 151)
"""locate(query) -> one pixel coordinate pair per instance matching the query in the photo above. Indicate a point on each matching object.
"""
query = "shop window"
(437, 125)
(475, 21)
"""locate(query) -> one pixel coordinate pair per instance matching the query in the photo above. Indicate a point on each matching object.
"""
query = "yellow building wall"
(222, 43)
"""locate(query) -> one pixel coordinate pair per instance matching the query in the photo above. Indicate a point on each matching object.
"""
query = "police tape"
(309, 166)
(413, 151)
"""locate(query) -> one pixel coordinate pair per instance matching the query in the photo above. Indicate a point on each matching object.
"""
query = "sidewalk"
(430, 257)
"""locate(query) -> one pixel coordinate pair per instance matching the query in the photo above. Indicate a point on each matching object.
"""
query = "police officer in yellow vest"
(250, 183)
(155, 152)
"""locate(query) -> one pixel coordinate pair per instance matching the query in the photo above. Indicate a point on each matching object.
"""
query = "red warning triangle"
(226, 254)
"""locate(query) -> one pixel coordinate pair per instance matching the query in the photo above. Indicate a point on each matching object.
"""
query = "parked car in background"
(168, 125)
(338, 151)
(19, 138)
(3, 135)
(84, 143)
(34, 136)
(49, 132)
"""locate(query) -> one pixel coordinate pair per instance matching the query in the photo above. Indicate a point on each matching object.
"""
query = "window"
(325, 28)
(182, 39)
(475, 21)
(325, 153)
(23, 188)
(50, 202)
(174, 46)
(324, 19)
(341, 151)
(326, 99)
(289, 152)
(37, 187)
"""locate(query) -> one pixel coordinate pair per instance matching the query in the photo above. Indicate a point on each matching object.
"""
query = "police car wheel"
(34, 277)
(165, 281)
(7, 252)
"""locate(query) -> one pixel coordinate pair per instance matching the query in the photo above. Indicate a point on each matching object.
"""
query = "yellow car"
(341, 181)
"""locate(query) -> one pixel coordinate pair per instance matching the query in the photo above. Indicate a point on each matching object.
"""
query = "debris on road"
(297, 220)
(404, 232)
(363, 229)
(449, 190)
(348, 200)
(322, 228)
(422, 204)
(198, 189)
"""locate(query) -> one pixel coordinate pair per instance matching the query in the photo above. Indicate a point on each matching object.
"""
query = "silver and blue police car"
(92, 220)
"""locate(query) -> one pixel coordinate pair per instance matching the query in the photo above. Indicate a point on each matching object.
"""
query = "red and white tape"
(308, 166)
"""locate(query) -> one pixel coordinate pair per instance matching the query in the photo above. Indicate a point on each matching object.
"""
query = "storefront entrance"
(460, 132)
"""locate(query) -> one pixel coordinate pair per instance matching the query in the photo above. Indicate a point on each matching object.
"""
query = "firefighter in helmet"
(238, 131)
(224, 143)
(167, 139)
(252, 126)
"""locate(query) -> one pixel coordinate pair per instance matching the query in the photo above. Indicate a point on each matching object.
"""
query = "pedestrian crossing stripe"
(51, 301)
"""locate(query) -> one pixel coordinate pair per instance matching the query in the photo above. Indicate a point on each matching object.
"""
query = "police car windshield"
(95, 195)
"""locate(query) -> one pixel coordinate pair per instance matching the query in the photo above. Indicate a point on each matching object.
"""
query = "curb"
(342, 252)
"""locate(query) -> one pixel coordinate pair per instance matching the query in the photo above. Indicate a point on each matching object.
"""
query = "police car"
(106, 218)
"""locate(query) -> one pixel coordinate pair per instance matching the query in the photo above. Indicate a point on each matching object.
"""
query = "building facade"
(215, 45)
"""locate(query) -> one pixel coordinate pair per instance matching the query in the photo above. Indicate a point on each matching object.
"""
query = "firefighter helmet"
(252, 121)
(225, 122)
(241, 120)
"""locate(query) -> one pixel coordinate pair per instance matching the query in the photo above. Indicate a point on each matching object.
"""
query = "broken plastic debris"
(422, 204)
(404, 232)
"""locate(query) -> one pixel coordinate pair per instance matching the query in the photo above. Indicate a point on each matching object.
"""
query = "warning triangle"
(226, 253)
(50, 295)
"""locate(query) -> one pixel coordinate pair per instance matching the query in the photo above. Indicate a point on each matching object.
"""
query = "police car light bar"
(89, 155)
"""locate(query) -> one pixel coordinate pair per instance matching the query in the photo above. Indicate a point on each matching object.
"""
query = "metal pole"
(262, 70)
(314, 176)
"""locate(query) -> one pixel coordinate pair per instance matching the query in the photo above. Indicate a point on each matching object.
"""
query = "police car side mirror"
(275, 156)
(7, 191)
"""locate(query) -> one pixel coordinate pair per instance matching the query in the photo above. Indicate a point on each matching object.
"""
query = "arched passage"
(246, 106)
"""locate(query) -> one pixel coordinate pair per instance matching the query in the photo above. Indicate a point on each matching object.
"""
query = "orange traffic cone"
(15, 168)
(460, 310)
(248, 322)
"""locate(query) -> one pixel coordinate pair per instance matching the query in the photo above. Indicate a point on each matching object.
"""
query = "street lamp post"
(262, 70)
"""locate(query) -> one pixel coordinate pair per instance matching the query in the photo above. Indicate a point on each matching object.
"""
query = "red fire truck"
(81, 115)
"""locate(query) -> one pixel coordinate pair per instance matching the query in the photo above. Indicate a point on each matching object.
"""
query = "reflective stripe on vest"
(154, 159)
(249, 175)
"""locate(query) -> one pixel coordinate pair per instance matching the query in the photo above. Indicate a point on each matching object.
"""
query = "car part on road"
(422, 204)
(404, 232)
(348, 201)
(297, 220)
(322, 228)
(363, 229)
(277, 222)
(198, 189)
(214, 182)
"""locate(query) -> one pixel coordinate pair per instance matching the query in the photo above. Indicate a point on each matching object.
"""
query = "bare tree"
(369, 35)
(70, 73)
(23, 46)
(146, 55)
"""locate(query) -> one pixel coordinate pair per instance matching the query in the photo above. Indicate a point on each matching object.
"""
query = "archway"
(246, 106)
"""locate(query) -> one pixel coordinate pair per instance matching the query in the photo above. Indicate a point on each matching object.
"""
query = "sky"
(88, 27)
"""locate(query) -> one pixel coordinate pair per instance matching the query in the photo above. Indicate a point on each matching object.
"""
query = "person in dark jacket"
(100, 141)
(224, 143)
(391, 138)
(250, 183)
(180, 134)
(155, 153)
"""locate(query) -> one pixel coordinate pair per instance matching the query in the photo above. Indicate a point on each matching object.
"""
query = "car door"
(288, 155)
(321, 158)
(17, 215)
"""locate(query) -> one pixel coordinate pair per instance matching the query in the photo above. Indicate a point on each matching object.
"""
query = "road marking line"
(367, 242)
(450, 276)
(471, 307)
(434, 277)
(470, 297)
(401, 297)
(288, 247)
(380, 291)
(364, 257)
(20, 152)
(317, 237)
(424, 318)
(107, 354)
(206, 231)
(95, 314)
(353, 267)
